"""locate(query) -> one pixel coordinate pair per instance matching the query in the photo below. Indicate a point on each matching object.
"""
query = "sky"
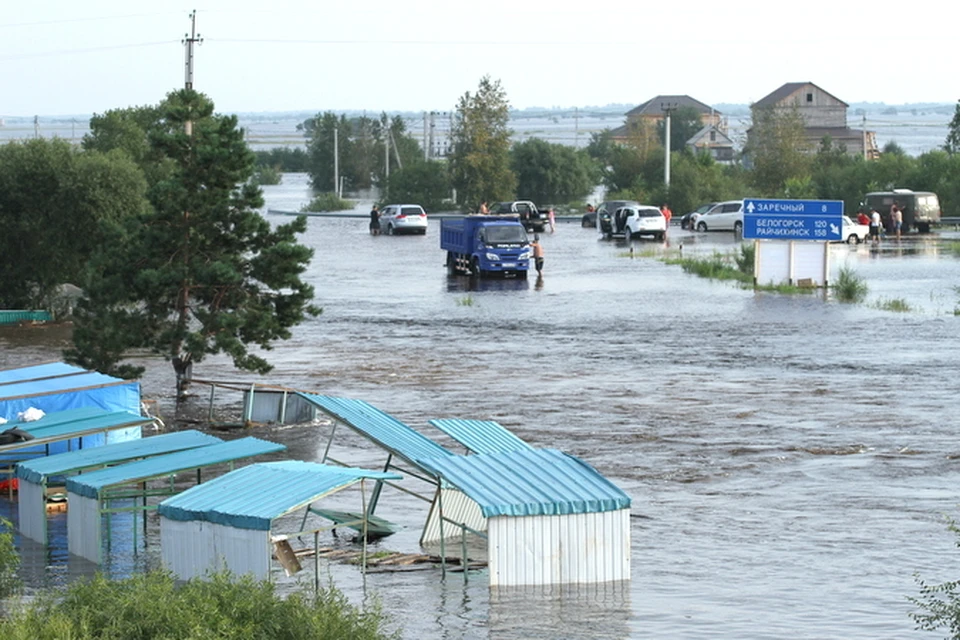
(60, 57)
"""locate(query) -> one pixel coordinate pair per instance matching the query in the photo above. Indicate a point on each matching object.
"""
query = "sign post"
(788, 221)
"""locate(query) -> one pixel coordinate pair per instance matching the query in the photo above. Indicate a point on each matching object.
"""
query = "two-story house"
(712, 138)
(823, 115)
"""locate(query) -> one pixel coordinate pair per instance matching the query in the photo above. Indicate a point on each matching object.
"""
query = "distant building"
(654, 110)
(823, 115)
(714, 141)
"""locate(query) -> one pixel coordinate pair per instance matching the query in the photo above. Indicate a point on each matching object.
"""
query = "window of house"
(713, 136)
(809, 97)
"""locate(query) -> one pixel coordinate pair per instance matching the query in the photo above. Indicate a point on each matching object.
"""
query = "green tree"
(404, 150)
(425, 182)
(952, 144)
(480, 160)
(9, 561)
(939, 604)
(324, 133)
(777, 149)
(54, 201)
(201, 272)
(552, 173)
(685, 122)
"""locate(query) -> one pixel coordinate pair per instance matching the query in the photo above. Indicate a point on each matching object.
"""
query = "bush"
(745, 259)
(849, 286)
(153, 605)
(327, 202)
(939, 603)
(266, 175)
(9, 561)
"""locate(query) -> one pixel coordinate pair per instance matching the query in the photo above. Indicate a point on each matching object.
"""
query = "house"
(655, 109)
(823, 115)
(714, 141)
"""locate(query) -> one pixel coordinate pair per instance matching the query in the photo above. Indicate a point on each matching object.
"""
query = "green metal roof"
(254, 496)
(65, 425)
(94, 483)
(480, 436)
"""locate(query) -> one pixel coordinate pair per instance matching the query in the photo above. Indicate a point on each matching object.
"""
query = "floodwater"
(791, 459)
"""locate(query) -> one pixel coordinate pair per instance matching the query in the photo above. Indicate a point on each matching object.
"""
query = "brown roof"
(787, 90)
(654, 106)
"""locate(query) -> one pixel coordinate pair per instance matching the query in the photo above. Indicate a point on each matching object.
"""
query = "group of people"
(875, 222)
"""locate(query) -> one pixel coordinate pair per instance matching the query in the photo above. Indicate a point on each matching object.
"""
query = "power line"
(69, 52)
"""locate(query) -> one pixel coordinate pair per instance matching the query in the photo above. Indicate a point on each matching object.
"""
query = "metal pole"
(386, 153)
(336, 163)
(666, 145)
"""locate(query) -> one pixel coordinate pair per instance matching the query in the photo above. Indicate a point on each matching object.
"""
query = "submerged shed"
(57, 386)
(550, 517)
(91, 494)
(228, 523)
(33, 475)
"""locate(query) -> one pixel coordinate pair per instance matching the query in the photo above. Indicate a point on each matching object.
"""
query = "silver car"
(403, 218)
(723, 216)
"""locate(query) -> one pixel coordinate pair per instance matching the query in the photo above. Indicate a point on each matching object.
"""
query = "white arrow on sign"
(750, 208)
(834, 229)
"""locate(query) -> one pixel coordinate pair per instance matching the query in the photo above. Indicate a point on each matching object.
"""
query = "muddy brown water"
(791, 459)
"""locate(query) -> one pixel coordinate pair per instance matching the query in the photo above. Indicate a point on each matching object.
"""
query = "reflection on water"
(466, 284)
(580, 611)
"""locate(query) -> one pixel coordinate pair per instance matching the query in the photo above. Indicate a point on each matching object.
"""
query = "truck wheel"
(451, 262)
(475, 267)
(853, 239)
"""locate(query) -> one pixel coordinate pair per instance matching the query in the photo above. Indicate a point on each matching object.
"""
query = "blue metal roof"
(91, 484)
(45, 386)
(64, 425)
(382, 428)
(37, 371)
(530, 483)
(39, 469)
(254, 496)
(481, 436)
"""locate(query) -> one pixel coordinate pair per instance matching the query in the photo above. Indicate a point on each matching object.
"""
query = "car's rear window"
(411, 211)
(649, 213)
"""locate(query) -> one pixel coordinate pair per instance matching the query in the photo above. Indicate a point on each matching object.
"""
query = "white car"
(633, 221)
(723, 216)
(403, 218)
(853, 232)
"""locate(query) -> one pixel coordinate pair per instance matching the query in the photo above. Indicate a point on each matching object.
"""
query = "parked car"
(640, 221)
(723, 216)
(853, 232)
(604, 215)
(920, 208)
(403, 218)
(689, 220)
(589, 219)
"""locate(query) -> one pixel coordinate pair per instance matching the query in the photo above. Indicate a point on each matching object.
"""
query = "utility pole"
(426, 146)
(668, 109)
(188, 42)
(865, 156)
(336, 163)
(576, 127)
(36, 126)
(386, 154)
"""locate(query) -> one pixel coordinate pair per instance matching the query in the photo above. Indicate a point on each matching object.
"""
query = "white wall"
(457, 507)
(194, 548)
(32, 510)
(83, 526)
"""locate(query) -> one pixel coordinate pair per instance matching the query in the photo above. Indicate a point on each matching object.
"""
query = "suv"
(920, 208)
(641, 220)
(605, 222)
(531, 218)
(403, 218)
(723, 216)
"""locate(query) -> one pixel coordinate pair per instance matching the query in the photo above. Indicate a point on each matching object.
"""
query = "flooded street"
(791, 459)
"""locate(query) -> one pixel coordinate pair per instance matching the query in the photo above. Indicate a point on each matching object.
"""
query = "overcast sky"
(63, 57)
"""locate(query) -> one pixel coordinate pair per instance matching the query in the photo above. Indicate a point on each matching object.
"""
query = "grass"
(893, 304)
(155, 605)
(9, 561)
(717, 266)
(952, 247)
(849, 286)
(327, 202)
(465, 301)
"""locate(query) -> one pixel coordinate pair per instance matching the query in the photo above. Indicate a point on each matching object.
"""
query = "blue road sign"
(792, 219)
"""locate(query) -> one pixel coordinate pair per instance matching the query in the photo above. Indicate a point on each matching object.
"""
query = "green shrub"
(849, 286)
(9, 561)
(327, 202)
(717, 266)
(893, 304)
(153, 605)
(266, 175)
(745, 259)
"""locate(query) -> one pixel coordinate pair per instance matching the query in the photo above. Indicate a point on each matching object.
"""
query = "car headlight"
(493, 257)
(525, 255)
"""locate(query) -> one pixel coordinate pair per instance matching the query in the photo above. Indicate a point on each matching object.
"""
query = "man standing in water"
(896, 219)
(374, 221)
(875, 223)
(667, 214)
(537, 254)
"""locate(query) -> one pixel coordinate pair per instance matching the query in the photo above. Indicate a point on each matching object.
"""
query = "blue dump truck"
(485, 245)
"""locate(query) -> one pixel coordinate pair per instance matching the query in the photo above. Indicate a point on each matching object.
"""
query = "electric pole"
(188, 42)
(668, 108)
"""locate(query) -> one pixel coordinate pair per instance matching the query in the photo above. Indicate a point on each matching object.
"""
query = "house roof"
(787, 90)
(721, 141)
(654, 106)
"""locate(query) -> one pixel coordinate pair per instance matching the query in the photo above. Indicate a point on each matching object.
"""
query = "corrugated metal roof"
(382, 428)
(530, 483)
(254, 496)
(480, 436)
(654, 106)
(39, 469)
(44, 386)
(91, 484)
(37, 371)
(775, 97)
(64, 425)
